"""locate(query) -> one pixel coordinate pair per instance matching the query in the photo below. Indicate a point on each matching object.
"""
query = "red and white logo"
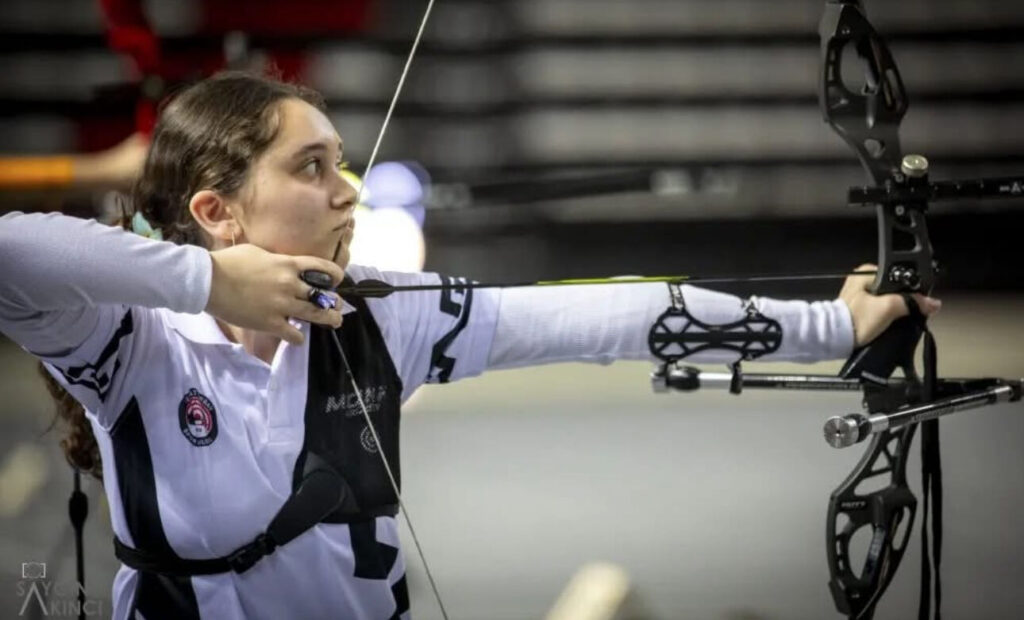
(197, 418)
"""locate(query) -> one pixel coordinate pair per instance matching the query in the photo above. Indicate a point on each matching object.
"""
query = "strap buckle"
(243, 558)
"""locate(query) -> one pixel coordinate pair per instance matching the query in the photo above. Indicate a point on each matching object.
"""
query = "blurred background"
(702, 116)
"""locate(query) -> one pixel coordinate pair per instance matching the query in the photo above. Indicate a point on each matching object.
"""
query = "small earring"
(232, 237)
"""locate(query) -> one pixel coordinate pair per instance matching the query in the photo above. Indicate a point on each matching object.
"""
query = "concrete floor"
(713, 503)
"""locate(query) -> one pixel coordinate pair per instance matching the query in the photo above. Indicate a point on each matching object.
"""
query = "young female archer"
(219, 400)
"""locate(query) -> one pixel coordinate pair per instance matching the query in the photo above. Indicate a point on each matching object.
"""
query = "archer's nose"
(345, 194)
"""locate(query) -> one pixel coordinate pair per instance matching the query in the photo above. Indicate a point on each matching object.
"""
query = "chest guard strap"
(323, 491)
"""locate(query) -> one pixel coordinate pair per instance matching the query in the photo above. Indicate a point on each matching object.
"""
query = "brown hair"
(207, 137)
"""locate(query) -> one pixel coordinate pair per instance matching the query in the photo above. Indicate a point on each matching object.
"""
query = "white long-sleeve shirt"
(202, 442)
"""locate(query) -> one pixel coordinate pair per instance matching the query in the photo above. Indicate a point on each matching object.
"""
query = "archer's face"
(295, 202)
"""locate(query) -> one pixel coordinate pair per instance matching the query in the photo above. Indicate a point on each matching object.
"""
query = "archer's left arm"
(605, 323)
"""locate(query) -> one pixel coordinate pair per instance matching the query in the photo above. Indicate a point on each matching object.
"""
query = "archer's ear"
(211, 211)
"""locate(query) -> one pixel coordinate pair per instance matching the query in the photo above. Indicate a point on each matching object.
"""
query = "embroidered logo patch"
(197, 418)
(348, 404)
(366, 439)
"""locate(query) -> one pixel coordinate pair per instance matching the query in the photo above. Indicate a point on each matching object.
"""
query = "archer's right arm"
(76, 293)
(68, 287)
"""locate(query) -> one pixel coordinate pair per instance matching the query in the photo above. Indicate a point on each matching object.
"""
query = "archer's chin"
(342, 255)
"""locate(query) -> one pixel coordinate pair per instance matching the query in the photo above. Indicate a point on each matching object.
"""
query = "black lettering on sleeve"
(441, 364)
(99, 375)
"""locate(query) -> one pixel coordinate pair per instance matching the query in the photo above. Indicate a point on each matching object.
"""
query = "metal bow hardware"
(895, 403)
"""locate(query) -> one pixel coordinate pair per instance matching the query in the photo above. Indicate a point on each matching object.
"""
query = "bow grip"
(875, 361)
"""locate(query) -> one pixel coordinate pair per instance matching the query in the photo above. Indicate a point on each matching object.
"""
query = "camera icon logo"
(33, 570)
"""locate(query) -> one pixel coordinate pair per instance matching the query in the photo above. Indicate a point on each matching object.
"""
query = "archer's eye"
(312, 168)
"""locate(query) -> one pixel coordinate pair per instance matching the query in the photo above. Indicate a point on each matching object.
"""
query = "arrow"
(378, 288)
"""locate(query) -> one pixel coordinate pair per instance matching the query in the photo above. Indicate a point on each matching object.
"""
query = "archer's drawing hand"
(872, 314)
(256, 289)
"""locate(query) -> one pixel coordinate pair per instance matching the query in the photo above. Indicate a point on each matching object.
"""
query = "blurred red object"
(156, 69)
(293, 17)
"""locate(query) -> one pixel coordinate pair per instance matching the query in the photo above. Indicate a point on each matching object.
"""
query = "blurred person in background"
(196, 378)
(113, 168)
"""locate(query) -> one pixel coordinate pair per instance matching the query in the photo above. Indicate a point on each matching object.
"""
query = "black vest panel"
(336, 429)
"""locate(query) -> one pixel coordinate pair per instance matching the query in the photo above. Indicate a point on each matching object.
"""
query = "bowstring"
(344, 359)
(394, 98)
(391, 476)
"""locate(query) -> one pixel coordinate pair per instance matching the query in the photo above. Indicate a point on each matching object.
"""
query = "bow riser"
(869, 122)
(906, 261)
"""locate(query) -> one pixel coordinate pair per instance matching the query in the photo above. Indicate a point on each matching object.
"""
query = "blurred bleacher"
(715, 97)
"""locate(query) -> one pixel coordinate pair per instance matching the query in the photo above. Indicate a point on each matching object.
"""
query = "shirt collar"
(202, 328)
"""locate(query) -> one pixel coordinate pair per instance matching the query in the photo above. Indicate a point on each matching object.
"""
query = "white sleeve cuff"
(811, 331)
